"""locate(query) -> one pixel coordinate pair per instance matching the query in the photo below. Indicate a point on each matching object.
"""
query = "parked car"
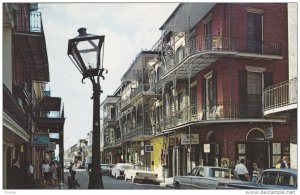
(106, 169)
(118, 170)
(141, 173)
(206, 177)
(271, 179)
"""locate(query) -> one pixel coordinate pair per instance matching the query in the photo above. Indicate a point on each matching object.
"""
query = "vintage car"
(106, 169)
(206, 177)
(285, 179)
(118, 171)
(141, 173)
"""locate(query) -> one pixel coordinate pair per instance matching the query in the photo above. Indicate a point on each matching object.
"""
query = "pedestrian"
(46, 173)
(54, 173)
(256, 173)
(278, 165)
(249, 167)
(58, 170)
(284, 163)
(15, 175)
(72, 171)
(30, 175)
(242, 171)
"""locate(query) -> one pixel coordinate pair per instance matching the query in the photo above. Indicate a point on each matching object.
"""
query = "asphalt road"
(112, 184)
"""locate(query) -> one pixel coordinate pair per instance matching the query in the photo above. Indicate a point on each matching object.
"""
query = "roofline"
(171, 16)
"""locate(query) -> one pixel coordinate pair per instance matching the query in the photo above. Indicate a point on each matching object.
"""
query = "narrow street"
(110, 183)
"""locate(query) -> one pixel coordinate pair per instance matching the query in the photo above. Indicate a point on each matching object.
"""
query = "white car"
(118, 171)
(141, 173)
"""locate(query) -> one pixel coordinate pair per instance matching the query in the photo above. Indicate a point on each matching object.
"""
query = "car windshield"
(125, 166)
(104, 166)
(141, 167)
(223, 173)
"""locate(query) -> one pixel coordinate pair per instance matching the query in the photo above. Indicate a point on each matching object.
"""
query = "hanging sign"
(148, 148)
(41, 139)
(189, 139)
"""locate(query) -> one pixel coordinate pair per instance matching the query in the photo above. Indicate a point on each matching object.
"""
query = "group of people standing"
(51, 173)
(20, 176)
(251, 172)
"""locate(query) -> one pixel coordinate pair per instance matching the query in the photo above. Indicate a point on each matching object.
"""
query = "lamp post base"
(95, 181)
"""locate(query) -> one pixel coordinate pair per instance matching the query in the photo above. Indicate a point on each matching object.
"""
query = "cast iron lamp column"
(85, 52)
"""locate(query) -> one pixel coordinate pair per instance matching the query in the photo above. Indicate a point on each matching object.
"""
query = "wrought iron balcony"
(221, 111)
(281, 95)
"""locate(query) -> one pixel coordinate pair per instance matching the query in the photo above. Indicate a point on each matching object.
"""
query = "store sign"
(41, 139)
(269, 133)
(189, 139)
(52, 146)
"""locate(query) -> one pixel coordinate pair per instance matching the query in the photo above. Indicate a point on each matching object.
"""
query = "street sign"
(269, 132)
(206, 148)
(187, 139)
(148, 148)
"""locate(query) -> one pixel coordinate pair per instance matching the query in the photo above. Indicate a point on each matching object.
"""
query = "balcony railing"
(26, 21)
(221, 43)
(136, 91)
(221, 111)
(136, 132)
(281, 94)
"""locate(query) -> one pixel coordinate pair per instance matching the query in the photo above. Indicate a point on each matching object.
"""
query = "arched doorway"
(257, 148)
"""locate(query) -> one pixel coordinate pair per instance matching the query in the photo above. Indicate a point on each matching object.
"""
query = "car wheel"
(177, 185)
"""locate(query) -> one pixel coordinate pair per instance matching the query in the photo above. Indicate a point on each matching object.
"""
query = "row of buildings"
(30, 114)
(219, 85)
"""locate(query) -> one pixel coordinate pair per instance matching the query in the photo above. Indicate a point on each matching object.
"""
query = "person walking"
(30, 175)
(15, 175)
(242, 171)
(46, 173)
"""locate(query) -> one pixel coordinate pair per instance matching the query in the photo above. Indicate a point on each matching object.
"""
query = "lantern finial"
(82, 31)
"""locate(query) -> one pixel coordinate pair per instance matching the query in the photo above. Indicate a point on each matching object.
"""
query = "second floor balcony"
(220, 111)
(281, 97)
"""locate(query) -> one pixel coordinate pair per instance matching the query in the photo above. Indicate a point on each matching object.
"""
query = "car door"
(187, 180)
(198, 179)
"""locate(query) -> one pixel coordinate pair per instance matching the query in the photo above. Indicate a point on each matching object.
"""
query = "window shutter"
(268, 79)
(214, 83)
(243, 93)
(204, 97)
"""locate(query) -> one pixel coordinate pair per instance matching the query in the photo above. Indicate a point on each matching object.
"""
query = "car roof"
(213, 167)
(285, 170)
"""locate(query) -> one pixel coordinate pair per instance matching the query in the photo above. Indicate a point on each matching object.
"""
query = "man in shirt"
(242, 171)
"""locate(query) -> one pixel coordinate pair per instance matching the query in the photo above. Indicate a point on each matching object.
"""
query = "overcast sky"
(128, 29)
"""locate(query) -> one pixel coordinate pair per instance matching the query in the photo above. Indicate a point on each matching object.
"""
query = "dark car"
(285, 179)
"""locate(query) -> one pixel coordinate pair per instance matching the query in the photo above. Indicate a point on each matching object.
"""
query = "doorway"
(257, 148)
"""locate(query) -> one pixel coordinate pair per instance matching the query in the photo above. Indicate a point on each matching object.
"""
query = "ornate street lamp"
(85, 52)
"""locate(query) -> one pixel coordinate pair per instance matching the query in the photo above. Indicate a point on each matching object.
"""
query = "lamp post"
(85, 52)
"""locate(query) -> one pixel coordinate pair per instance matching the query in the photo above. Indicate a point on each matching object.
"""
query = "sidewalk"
(168, 182)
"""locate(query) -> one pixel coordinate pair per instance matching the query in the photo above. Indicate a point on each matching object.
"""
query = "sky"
(128, 29)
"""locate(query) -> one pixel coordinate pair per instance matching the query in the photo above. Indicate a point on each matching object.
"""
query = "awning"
(51, 125)
(31, 49)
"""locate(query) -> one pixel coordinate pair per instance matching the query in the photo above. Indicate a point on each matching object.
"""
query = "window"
(269, 178)
(193, 100)
(285, 179)
(179, 54)
(254, 82)
(254, 32)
